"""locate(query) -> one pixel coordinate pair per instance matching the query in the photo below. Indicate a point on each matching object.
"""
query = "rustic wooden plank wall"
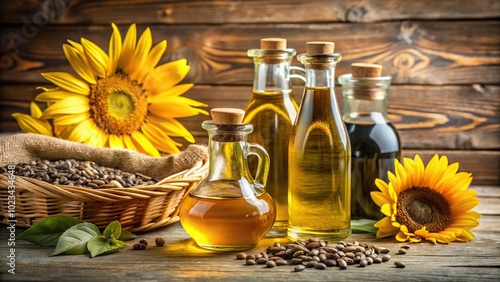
(444, 57)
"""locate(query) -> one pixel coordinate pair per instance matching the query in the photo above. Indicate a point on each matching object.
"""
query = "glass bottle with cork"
(229, 210)
(375, 142)
(272, 110)
(319, 154)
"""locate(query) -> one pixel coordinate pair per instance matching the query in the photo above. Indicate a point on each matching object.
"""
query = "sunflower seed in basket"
(80, 173)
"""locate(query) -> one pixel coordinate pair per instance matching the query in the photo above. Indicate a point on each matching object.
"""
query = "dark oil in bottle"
(374, 148)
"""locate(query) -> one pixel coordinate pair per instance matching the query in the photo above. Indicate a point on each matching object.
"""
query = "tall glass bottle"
(319, 202)
(229, 210)
(272, 110)
(375, 143)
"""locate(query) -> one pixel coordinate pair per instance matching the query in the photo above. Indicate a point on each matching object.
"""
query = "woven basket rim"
(143, 208)
(177, 181)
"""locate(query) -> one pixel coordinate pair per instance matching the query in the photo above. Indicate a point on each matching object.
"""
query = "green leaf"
(74, 240)
(127, 235)
(101, 246)
(113, 229)
(46, 233)
(363, 226)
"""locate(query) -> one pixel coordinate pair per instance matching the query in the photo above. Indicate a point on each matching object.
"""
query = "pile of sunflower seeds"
(80, 173)
(318, 254)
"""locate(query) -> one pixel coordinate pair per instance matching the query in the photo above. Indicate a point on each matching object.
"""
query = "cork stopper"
(273, 43)
(366, 70)
(320, 47)
(227, 115)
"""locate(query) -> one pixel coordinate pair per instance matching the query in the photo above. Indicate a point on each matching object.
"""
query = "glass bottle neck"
(228, 151)
(320, 78)
(272, 69)
(365, 111)
(271, 77)
(365, 99)
(319, 69)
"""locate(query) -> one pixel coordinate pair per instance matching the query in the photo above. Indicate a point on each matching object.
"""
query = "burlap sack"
(25, 147)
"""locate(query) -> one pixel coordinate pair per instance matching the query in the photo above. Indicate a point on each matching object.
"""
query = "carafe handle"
(263, 165)
(301, 76)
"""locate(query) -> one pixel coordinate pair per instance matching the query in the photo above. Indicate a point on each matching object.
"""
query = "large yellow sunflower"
(430, 202)
(120, 100)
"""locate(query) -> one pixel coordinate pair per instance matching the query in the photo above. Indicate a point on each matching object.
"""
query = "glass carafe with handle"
(229, 210)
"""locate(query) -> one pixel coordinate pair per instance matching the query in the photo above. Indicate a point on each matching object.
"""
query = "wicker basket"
(138, 208)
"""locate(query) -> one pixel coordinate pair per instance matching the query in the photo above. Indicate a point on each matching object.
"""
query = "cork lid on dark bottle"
(366, 70)
(365, 88)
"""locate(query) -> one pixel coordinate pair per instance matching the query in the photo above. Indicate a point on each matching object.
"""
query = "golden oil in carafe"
(319, 172)
(232, 222)
(229, 210)
(273, 113)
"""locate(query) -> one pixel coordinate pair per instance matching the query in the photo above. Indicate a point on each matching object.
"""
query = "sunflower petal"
(127, 141)
(128, 48)
(79, 63)
(160, 139)
(76, 45)
(402, 237)
(99, 139)
(380, 198)
(70, 105)
(82, 132)
(136, 65)
(98, 60)
(29, 124)
(177, 107)
(115, 49)
(165, 76)
(418, 171)
(71, 119)
(171, 127)
(116, 142)
(35, 110)
(386, 209)
(55, 96)
(434, 170)
(143, 144)
(172, 92)
(385, 228)
(68, 82)
(401, 175)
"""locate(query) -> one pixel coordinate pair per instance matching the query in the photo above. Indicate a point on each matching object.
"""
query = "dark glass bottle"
(319, 202)
(272, 110)
(375, 142)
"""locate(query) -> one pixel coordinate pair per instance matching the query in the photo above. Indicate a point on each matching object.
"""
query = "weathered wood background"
(444, 57)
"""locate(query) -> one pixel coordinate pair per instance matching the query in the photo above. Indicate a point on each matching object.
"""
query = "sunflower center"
(422, 206)
(118, 104)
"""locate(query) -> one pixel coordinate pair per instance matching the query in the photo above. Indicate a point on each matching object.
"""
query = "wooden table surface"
(180, 259)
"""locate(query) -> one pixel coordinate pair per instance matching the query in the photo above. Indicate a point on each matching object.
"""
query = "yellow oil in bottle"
(319, 172)
(273, 115)
(229, 220)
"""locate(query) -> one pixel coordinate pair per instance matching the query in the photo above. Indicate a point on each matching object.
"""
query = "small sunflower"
(120, 100)
(430, 202)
